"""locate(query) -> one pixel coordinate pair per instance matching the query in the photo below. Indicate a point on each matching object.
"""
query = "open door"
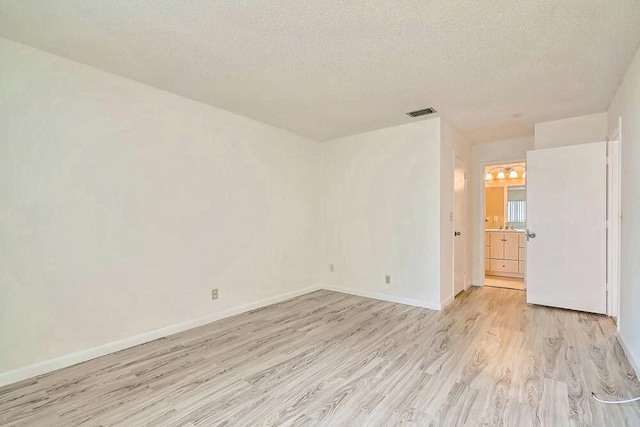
(566, 221)
(459, 221)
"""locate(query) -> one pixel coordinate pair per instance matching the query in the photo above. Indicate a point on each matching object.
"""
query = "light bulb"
(513, 174)
(524, 173)
(488, 177)
(500, 174)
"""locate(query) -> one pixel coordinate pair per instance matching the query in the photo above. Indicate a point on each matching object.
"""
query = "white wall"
(122, 206)
(571, 131)
(382, 213)
(626, 104)
(452, 144)
(489, 153)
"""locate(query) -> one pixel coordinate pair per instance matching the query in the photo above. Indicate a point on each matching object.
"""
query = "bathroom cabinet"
(505, 253)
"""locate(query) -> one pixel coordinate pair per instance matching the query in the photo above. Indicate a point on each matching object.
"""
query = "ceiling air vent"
(424, 112)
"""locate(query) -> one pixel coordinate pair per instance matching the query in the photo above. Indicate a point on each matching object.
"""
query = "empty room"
(319, 213)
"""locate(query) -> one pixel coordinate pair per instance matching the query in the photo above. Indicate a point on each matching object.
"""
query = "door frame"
(481, 210)
(614, 222)
(465, 237)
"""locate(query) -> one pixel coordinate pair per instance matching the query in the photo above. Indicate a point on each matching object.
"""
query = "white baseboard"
(446, 302)
(384, 297)
(91, 353)
(635, 363)
(46, 366)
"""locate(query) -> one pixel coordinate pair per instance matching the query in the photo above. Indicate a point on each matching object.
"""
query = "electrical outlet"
(214, 294)
(387, 279)
(331, 267)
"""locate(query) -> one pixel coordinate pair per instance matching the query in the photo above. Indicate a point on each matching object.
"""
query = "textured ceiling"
(329, 68)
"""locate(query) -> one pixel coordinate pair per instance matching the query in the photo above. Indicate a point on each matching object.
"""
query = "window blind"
(516, 211)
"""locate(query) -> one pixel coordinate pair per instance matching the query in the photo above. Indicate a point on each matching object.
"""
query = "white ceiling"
(329, 68)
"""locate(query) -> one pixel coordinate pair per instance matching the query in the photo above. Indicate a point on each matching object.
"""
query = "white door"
(459, 222)
(566, 209)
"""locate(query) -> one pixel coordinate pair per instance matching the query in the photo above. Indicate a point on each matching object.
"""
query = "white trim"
(615, 270)
(613, 225)
(446, 302)
(387, 297)
(91, 353)
(635, 364)
(46, 366)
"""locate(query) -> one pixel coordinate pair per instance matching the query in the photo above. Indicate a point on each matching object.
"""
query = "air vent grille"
(424, 112)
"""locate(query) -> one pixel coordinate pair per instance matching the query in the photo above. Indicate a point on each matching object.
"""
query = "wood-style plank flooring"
(328, 358)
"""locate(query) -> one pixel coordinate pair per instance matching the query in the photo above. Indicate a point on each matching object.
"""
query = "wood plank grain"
(328, 358)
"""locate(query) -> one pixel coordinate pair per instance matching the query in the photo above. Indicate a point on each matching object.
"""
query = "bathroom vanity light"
(502, 172)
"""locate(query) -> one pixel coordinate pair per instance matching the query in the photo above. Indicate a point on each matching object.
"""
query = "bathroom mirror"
(505, 206)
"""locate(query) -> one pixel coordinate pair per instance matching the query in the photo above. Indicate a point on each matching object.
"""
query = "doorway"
(505, 217)
(568, 242)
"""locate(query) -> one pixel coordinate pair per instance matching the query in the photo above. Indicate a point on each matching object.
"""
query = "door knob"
(457, 233)
(530, 235)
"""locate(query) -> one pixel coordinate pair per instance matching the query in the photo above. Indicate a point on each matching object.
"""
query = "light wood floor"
(504, 282)
(334, 359)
